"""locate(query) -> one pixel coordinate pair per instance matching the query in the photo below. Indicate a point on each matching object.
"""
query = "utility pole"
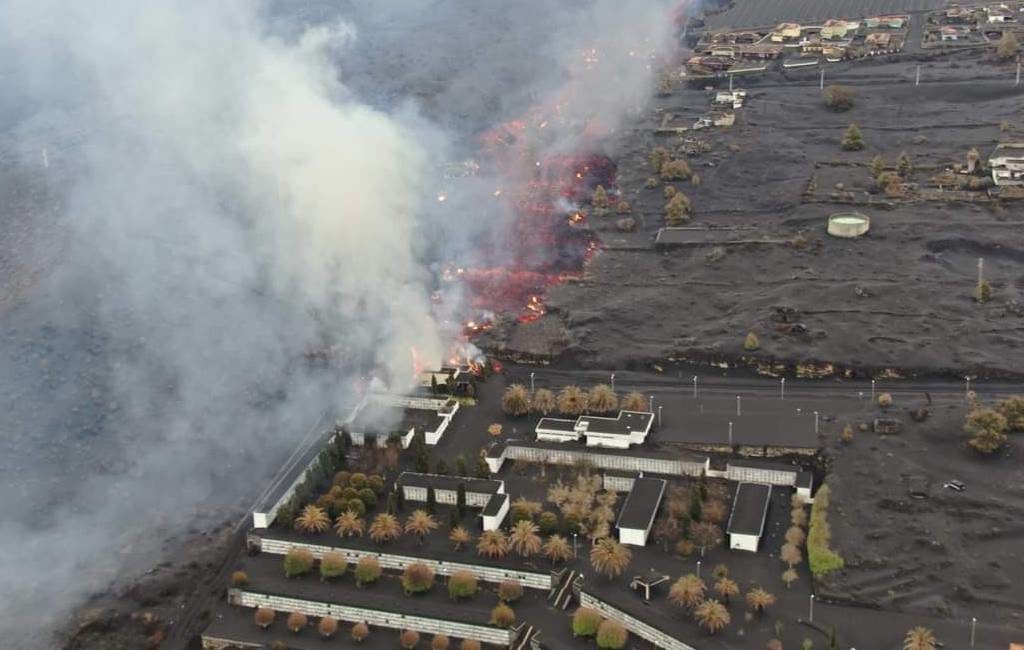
(816, 422)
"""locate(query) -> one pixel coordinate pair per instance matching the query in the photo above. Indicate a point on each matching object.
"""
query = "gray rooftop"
(642, 503)
(444, 482)
(749, 509)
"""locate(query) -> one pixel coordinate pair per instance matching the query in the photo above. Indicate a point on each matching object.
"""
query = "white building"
(381, 416)
(627, 428)
(415, 487)
(749, 512)
(639, 510)
(626, 460)
(494, 511)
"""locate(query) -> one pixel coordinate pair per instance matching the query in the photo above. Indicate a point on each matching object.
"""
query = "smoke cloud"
(223, 219)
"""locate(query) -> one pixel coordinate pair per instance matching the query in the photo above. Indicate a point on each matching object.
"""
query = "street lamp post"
(815, 422)
(531, 382)
(698, 568)
(810, 613)
(659, 416)
(730, 436)
(974, 624)
(695, 387)
(650, 403)
(782, 388)
(872, 390)
(968, 380)
(574, 554)
(738, 409)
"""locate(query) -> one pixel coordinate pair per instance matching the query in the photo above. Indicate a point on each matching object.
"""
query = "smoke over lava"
(220, 192)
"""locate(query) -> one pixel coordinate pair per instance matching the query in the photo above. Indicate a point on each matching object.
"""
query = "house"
(494, 511)
(999, 14)
(760, 51)
(718, 118)
(833, 53)
(835, 29)
(641, 506)
(416, 487)
(959, 15)
(950, 33)
(811, 44)
(449, 380)
(723, 50)
(785, 32)
(1007, 163)
(730, 98)
(878, 41)
(885, 22)
(749, 513)
(648, 461)
(746, 38)
(627, 428)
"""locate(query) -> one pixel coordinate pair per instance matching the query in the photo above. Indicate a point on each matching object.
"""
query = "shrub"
(675, 170)
(852, 139)
(987, 429)
(342, 477)
(357, 480)
(367, 570)
(297, 562)
(368, 497)
(333, 565)
(669, 191)
(611, 635)
(327, 627)
(651, 183)
(822, 559)
(469, 644)
(1012, 408)
(417, 578)
(695, 180)
(356, 505)
(983, 292)
(297, 621)
(440, 642)
(599, 198)
(462, 584)
(877, 166)
(903, 165)
(623, 207)
(375, 482)
(677, 210)
(547, 522)
(360, 631)
(510, 591)
(585, 622)
(659, 156)
(751, 343)
(409, 639)
(239, 579)
(885, 400)
(263, 617)
(838, 98)
(502, 615)
(1008, 47)
(847, 434)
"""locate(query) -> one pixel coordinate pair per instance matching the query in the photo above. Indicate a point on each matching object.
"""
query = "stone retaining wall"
(634, 625)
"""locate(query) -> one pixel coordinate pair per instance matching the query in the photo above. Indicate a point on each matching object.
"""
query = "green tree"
(441, 467)
(482, 470)
(431, 499)
(585, 622)
(297, 562)
(852, 139)
(599, 198)
(903, 165)
(611, 635)
(333, 565)
(1012, 408)
(877, 167)
(460, 465)
(751, 343)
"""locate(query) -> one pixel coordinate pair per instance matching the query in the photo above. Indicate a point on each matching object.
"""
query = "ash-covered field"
(901, 297)
(949, 554)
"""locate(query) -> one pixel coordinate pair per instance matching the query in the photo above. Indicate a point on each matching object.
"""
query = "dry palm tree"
(602, 399)
(559, 493)
(607, 499)
(492, 544)
(610, 558)
(543, 402)
(516, 400)
(791, 555)
(789, 576)
(349, 524)
(526, 508)
(759, 600)
(919, 638)
(572, 401)
(524, 538)
(385, 528)
(420, 523)
(557, 549)
(706, 534)
(460, 537)
(634, 401)
(687, 591)
(726, 588)
(312, 519)
(712, 616)
(798, 517)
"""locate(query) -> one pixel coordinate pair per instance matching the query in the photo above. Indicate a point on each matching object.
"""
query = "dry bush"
(297, 621)
(572, 401)
(469, 644)
(385, 528)
(516, 400)
(838, 98)
(602, 399)
(751, 343)
(675, 170)
(502, 615)
(312, 519)
(327, 627)
(297, 562)
(239, 579)
(510, 591)
(462, 584)
(611, 635)
(409, 639)
(360, 631)
(263, 617)
(367, 570)
(677, 210)
(440, 642)
(417, 578)
(543, 402)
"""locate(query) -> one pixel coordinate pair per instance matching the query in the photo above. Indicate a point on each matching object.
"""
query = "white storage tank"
(848, 225)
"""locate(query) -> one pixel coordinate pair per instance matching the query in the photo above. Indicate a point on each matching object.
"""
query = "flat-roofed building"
(494, 511)
(627, 428)
(639, 510)
(1007, 163)
(749, 512)
(415, 487)
(648, 461)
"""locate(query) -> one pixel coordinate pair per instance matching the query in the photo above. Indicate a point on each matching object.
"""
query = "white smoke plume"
(218, 192)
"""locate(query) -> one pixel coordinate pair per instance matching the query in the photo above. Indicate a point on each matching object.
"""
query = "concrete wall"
(532, 579)
(372, 617)
(633, 536)
(634, 625)
(263, 518)
(670, 466)
(617, 483)
(761, 475)
(447, 497)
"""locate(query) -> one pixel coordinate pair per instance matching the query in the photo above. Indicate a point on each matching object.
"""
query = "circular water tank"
(848, 224)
